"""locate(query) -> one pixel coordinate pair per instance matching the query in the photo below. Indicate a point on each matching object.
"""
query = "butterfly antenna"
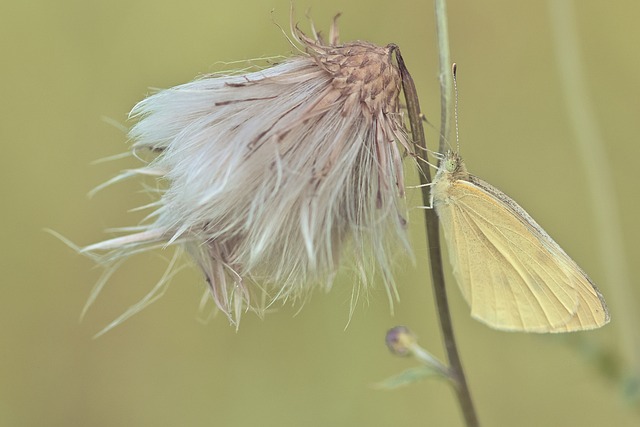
(454, 69)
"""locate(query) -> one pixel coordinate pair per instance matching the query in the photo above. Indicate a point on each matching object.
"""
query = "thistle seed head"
(272, 176)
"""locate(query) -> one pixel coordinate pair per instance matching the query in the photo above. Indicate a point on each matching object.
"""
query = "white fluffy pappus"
(268, 177)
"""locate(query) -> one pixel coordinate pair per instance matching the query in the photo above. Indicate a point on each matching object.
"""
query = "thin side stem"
(456, 372)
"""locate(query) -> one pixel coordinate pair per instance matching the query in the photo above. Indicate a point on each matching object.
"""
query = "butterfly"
(512, 273)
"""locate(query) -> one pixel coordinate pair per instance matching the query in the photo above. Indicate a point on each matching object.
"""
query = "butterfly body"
(512, 273)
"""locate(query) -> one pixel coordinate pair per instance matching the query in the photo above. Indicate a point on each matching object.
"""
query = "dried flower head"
(269, 176)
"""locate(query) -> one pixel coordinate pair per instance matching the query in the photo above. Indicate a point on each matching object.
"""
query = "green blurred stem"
(455, 370)
(604, 205)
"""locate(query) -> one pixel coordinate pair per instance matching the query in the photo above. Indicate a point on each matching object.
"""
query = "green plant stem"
(446, 90)
(445, 75)
(456, 372)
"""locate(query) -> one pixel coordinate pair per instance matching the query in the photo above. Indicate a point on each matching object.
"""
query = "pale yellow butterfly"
(513, 275)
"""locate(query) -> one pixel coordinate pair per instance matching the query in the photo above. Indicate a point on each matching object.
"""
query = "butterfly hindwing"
(508, 272)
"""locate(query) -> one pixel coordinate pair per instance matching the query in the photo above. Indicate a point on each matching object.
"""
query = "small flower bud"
(400, 341)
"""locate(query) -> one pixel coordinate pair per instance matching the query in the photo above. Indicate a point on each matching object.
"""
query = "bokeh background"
(69, 64)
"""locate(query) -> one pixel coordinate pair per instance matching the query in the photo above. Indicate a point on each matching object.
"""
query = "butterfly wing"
(512, 274)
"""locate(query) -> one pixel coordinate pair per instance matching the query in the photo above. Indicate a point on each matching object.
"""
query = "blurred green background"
(68, 64)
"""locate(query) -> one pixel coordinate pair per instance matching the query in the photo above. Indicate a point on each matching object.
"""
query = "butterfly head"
(452, 163)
